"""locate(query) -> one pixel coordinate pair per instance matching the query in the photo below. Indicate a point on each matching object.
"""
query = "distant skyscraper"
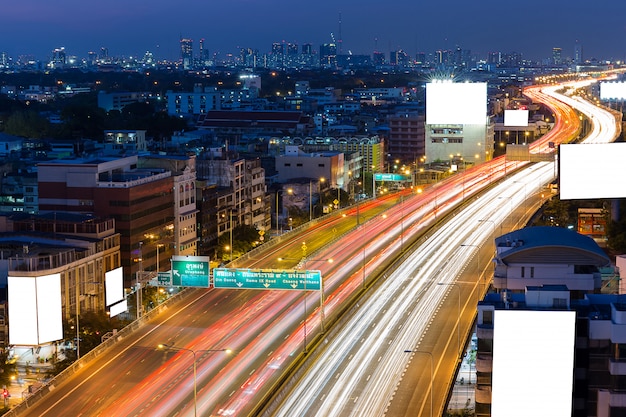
(104, 54)
(92, 58)
(307, 49)
(494, 58)
(420, 58)
(186, 52)
(328, 55)
(292, 49)
(58, 58)
(249, 57)
(378, 58)
(556, 56)
(578, 53)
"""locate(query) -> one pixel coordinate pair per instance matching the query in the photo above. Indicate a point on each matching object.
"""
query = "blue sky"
(131, 27)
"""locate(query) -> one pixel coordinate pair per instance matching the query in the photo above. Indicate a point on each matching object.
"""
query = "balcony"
(617, 366)
(484, 331)
(483, 394)
(484, 362)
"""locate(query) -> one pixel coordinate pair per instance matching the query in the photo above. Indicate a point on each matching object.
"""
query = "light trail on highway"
(267, 330)
(357, 371)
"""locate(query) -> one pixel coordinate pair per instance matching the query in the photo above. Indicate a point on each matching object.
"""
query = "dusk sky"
(132, 27)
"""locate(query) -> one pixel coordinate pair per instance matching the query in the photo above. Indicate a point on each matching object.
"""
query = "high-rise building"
(186, 52)
(328, 55)
(556, 56)
(58, 59)
(378, 58)
(578, 53)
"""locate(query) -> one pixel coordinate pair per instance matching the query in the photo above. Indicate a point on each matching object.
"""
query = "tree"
(27, 124)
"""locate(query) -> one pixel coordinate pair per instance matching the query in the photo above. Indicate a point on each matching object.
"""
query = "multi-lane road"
(269, 331)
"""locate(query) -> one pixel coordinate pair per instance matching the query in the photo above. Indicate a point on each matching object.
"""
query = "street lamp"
(432, 374)
(458, 319)
(321, 180)
(164, 346)
(478, 271)
(289, 191)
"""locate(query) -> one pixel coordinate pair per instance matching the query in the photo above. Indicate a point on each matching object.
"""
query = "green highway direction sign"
(267, 279)
(190, 271)
(163, 279)
(391, 177)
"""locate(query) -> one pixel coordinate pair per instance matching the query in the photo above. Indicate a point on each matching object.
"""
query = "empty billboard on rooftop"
(533, 360)
(456, 103)
(593, 170)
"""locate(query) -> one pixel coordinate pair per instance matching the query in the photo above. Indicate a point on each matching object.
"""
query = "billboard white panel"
(612, 91)
(114, 286)
(22, 293)
(589, 171)
(118, 308)
(516, 117)
(533, 359)
(49, 308)
(456, 103)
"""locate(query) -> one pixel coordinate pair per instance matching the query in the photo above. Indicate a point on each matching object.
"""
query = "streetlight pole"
(138, 275)
(432, 374)
(478, 272)
(164, 346)
(511, 206)
(310, 200)
(305, 261)
(458, 319)
(277, 191)
(230, 223)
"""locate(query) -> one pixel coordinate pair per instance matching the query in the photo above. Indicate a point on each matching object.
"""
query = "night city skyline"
(34, 27)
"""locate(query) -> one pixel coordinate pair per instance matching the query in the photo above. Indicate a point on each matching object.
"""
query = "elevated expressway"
(269, 331)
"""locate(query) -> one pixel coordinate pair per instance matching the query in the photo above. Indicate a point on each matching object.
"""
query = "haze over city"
(531, 28)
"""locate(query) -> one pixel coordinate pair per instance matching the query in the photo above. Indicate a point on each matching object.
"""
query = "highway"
(268, 331)
(357, 371)
(362, 368)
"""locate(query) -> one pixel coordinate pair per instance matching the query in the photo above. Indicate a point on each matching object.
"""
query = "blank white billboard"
(612, 91)
(118, 308)
(456, 103)
(49, 308)
(114, 286)
(516, 118)
(22, 311)
(533, 360)
(589, 171)
(35, 315)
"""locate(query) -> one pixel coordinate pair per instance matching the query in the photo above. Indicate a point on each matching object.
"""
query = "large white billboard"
(516, 118)
(456, 103)
(114, 286)
(533, 360)
(118, 308)
(35, 310)
(612, 91)
(589, 171)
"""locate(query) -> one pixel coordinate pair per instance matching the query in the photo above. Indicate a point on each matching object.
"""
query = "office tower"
(186, 52)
